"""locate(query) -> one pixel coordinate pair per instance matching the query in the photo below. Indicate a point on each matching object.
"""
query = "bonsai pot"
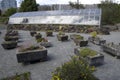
(49, 33)
(62, 37)
(32, 33)
(9, 44)
(32, 55)
(93, 60)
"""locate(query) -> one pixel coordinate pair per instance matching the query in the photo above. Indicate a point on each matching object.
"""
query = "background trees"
(28, 5)
(76, 5)
(110, 12)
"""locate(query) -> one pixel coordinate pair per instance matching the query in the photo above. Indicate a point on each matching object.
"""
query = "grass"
(84, 52)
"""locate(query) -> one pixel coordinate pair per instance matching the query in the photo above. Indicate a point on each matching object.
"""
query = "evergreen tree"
(28, 5)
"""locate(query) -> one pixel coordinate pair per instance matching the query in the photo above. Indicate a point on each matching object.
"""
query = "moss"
(84, 52)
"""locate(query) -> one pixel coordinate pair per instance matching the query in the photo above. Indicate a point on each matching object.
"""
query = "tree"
(28, 5)
(10, 11)
(110, 12)
(76, 5)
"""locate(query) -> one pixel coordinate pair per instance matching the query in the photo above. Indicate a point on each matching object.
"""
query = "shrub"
(75, 69)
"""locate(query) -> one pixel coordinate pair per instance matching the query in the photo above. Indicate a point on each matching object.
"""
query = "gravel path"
(58, 54)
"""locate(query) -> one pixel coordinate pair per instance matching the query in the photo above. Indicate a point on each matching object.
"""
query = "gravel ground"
(58, 54)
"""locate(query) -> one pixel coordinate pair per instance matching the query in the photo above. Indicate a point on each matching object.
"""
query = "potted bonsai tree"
(31, 53)
(49, 33)
(44, 42)
(9, 44)
(92, 57)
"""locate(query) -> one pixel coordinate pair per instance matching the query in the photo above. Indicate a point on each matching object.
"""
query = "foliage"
(10, 11)
(3, 20)
(76, 5)
(61, 33)
(94, 34)
(75, 69)
(84, 52)
(42, 40)
(110, 12)
(24, 76)
(28, 5)
(78, 37)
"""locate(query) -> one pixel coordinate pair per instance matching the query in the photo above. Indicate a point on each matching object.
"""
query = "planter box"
(32, 55)
(97, 41)
(75, 36)
(46, 44)
(113, 49)
(12, 33)
(49, 33)
(32, 33)
(83, 43)
(92, 60)
(9, 45)
(62, 37)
